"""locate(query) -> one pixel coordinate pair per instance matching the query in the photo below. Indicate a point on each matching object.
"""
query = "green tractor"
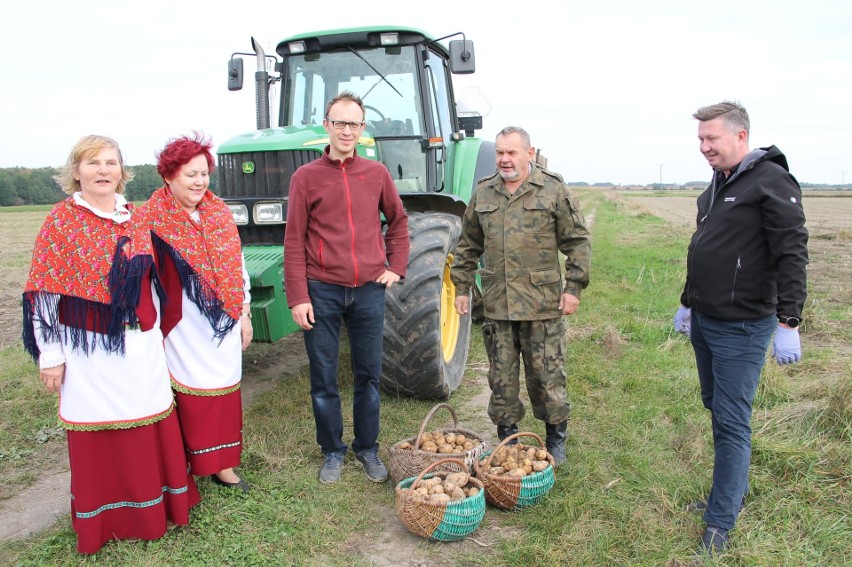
(413, 127)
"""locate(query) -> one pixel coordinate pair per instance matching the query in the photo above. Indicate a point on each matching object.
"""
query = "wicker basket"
(404, 463)
(449, 521)
(510, 492)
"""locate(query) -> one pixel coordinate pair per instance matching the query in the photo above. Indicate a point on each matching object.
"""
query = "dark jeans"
(730, 356)
(363, 311)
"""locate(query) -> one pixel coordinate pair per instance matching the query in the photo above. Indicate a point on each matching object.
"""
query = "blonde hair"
(87, 147)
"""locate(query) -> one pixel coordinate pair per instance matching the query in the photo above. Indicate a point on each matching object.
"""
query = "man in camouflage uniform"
(518, 220)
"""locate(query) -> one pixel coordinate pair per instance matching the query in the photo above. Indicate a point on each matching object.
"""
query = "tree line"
(22, 186)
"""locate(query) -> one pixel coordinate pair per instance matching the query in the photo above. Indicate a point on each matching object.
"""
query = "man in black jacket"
(745, 279)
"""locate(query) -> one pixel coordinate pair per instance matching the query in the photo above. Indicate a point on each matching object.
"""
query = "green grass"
(639, 449)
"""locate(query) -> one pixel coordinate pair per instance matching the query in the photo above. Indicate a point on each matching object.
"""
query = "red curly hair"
(179, 151)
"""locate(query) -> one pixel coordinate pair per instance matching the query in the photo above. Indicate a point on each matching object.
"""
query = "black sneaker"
(373, 465)
(332, 468)
(713, 542)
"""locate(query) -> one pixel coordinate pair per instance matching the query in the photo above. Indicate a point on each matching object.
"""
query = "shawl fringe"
(80, 316)
(197, 290)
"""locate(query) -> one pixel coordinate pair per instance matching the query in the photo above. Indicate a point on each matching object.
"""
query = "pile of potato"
(453, 487)
(440, 442)
(516, 460)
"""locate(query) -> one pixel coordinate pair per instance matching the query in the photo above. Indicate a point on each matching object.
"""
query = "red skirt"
(212, 431)
(128, 483)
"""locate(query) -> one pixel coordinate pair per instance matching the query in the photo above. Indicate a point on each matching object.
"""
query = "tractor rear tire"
(426, 342)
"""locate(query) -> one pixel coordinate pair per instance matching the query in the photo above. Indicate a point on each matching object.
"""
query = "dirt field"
(826, 216)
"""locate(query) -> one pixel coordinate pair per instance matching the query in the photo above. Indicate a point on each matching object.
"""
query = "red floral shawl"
(96, 267)
(207, 254)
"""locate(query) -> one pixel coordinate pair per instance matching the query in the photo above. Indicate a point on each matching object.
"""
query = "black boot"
(557, 433)
(504, 431)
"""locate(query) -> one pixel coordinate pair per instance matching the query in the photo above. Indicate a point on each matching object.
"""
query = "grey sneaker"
(332, 468)
(373, 465)
(714, 542)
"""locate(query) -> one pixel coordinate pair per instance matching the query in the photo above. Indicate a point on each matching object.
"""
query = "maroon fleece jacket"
(334, 228)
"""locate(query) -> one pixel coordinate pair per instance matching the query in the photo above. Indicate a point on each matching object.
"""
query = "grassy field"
(639, 446)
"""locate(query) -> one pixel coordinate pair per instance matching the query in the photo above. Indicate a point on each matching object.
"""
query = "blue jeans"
(730, 356)
(363, 310)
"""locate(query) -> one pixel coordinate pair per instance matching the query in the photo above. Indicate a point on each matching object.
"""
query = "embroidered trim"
(129, 504)
(216, 448)
(207, 393)
(117, 424)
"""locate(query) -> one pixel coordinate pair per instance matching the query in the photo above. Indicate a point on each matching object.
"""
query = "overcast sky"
(606, 89)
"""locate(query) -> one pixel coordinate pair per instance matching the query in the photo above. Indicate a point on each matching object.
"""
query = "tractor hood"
(288, 138)
(274, 139)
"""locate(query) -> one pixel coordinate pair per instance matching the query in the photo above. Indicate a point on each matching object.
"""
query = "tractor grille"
(271, 175)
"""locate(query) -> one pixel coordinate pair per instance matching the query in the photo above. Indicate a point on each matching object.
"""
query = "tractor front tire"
(426, 341)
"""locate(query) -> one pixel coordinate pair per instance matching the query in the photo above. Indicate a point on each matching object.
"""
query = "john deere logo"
(248, 167)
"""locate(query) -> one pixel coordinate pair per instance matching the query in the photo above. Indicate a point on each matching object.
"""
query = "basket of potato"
(410, 456)
(441, 506)
(516, 476)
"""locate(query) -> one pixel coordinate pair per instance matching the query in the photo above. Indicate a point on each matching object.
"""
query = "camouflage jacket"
(519, 237)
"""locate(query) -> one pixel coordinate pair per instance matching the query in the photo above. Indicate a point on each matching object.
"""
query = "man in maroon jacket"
(337, 265)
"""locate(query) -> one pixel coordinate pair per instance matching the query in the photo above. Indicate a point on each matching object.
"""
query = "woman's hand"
(52, 377)
(246, 330)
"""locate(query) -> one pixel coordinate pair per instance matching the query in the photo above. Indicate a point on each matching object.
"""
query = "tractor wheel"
(426, 341)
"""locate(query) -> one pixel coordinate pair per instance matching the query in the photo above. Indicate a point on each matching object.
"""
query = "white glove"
(786, 346)
(681, 320)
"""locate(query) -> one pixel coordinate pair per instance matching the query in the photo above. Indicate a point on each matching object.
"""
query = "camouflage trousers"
(541, 345)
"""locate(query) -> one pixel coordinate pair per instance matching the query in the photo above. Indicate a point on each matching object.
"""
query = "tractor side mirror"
(235, 74)
(462, 61)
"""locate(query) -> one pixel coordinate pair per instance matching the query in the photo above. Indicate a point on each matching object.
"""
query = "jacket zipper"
(734, 284)
(348, 193)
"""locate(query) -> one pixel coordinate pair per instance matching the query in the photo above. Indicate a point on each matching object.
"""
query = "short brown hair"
(85, 148)
(346, 95)
(734, 113)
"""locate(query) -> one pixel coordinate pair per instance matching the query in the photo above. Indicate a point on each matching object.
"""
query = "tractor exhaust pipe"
(261, 80)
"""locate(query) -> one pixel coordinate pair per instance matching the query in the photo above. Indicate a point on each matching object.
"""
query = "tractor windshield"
(387, 81)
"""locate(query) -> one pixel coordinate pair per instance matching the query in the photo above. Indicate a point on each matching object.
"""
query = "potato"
(459, 478)
(517, 472)
(460, 439)
(457, 494)
(472, 491)
(405, 445)
(422, 491)
(446, 448)
(440, 498)
(426, 437)
(539, 466)
(449, 486)
(430, 482)
(450, 438)
(430, 447)
(541, 455)
(496, 470)
(438, 439)
(436, 489)
(468, 445)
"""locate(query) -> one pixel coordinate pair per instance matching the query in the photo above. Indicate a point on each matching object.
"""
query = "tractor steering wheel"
(374, 109)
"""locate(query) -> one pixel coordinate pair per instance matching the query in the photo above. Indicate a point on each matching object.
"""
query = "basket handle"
(505, 441)
(429, 416)
(435, 464)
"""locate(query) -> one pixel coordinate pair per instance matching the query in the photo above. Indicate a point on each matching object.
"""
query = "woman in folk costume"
(92, 325)
(206, 318)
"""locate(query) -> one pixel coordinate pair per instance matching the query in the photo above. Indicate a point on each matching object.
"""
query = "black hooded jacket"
(748, 256)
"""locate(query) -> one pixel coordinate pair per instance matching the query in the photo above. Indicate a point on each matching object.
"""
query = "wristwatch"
(791, 322)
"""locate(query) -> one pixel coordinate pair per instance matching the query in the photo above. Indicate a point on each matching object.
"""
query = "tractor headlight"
(268, 213)
(239, 212)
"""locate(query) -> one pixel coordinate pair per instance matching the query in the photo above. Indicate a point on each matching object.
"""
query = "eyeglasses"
(341, 124)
